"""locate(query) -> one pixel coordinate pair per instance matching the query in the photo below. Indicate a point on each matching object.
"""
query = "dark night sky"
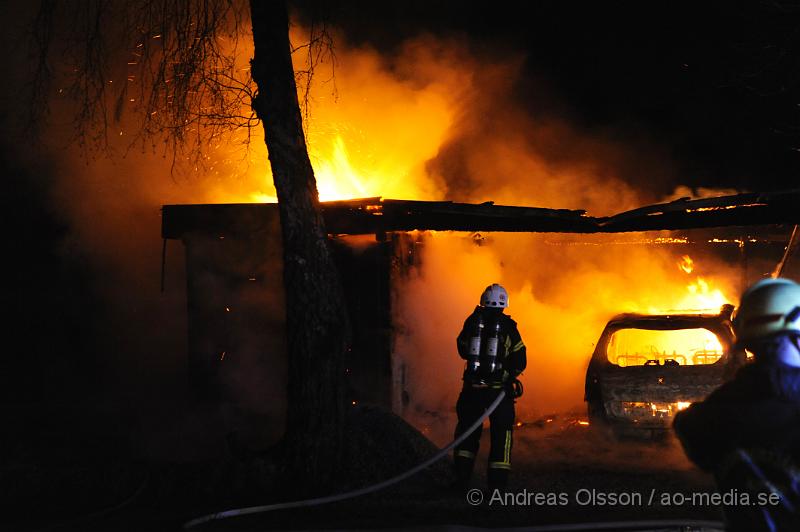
(716, 84)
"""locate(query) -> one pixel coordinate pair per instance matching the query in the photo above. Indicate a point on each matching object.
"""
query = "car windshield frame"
(715, 323)
(662, 360)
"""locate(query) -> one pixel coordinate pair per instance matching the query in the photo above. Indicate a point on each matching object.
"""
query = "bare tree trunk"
(316, 319)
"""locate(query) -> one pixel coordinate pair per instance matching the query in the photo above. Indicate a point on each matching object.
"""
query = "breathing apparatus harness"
(482, 361)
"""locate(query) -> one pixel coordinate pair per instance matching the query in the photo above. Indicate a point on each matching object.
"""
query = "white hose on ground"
(348, 494)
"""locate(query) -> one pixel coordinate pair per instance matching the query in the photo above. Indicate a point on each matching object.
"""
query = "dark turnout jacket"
(758, 409)
(747, 433)
(511, 351)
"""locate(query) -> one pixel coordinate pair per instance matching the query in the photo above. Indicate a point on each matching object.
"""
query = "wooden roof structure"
(377, 216)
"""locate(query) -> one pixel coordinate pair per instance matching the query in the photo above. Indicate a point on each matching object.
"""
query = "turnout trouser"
(472, 403)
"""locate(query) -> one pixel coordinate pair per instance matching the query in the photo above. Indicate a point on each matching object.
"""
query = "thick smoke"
(562, 289)
(561, 295)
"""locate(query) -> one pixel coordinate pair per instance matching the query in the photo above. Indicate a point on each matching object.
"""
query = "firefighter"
(747, 432)
(495, 355)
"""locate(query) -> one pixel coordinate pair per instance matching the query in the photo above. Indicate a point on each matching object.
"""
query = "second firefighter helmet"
(495, 296)
(769, 307)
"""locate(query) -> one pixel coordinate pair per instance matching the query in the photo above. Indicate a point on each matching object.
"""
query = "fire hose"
(348, 494)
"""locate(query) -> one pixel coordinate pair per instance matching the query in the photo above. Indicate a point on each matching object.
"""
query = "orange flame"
(690, 346)
(686, 264)
(374, 135)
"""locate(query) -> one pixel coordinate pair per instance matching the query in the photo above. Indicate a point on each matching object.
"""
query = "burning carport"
(235, 293)
(233, 256)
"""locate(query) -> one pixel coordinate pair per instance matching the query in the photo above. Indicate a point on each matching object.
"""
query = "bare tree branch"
(168, 66)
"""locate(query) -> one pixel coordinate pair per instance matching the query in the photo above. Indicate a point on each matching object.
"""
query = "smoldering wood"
(735, 210)
(378, 216)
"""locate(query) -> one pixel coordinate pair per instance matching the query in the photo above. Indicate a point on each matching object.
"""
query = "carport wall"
(235, 305)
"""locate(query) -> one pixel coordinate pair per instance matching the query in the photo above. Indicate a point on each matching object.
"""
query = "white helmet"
(495, 296)
(769, 307)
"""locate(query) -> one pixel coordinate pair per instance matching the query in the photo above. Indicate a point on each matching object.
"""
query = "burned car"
(645, 368)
